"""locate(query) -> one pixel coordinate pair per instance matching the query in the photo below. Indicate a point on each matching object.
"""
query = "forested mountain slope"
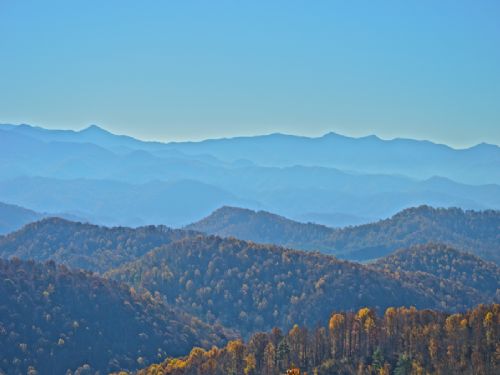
(402, 341)
(251, 287)
(473, 231)
(263, 227)
(53, 319)
(86, 246)
(446, 263)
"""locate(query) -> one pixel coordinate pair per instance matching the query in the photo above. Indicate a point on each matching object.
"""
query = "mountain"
(85, 246)
(23, 155)
(53, 319)
(262, 227)
(474, 231)
(13, 217)
(92, 134)
(250, 287)
(401, 341)
(447, 263)
(180, 201)
(418, 159)
(57, 170)
(118, 203)
(332, 219)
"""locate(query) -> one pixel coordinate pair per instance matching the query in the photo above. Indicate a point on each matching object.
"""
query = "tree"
(337, 334)
(283, 354)
(236, 351)
(403, 366)
(270, 360)
(377, 359)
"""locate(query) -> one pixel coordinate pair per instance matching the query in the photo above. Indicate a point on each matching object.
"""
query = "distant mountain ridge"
(477, 232)
(13, 217)
(418, 159)
(370, 154)
(335, 180)
(172, 203)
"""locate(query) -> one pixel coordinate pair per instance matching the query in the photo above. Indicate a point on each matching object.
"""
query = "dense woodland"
(446, 263)
(403, 341)
(474, 231)
(85, 246)
(53, 319)
(251, 287)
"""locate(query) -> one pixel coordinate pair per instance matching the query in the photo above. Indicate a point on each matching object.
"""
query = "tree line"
(403, 341)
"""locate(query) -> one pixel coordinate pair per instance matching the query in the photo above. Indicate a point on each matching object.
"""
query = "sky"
(190, 70)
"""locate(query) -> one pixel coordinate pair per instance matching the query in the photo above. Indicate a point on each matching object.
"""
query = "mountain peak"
(333, 135)
(94, 129)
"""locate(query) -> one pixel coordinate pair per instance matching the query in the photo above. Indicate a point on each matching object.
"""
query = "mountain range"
(332, 180)
(74, 243)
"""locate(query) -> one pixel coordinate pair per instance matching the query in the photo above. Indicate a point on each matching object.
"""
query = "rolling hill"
(477, 232)
(85, 246)
(53, 319)
(446, 263)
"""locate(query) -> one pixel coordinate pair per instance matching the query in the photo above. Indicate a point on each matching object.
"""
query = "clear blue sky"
(197, 69)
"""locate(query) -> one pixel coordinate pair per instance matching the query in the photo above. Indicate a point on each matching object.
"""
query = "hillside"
(473, 231)
(13, 217)
(85, 246)
(251, 287)
(402, 341)
(262, 227)
(446, 263)
(53, 319)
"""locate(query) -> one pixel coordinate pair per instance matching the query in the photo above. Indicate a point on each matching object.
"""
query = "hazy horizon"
(183, 70)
